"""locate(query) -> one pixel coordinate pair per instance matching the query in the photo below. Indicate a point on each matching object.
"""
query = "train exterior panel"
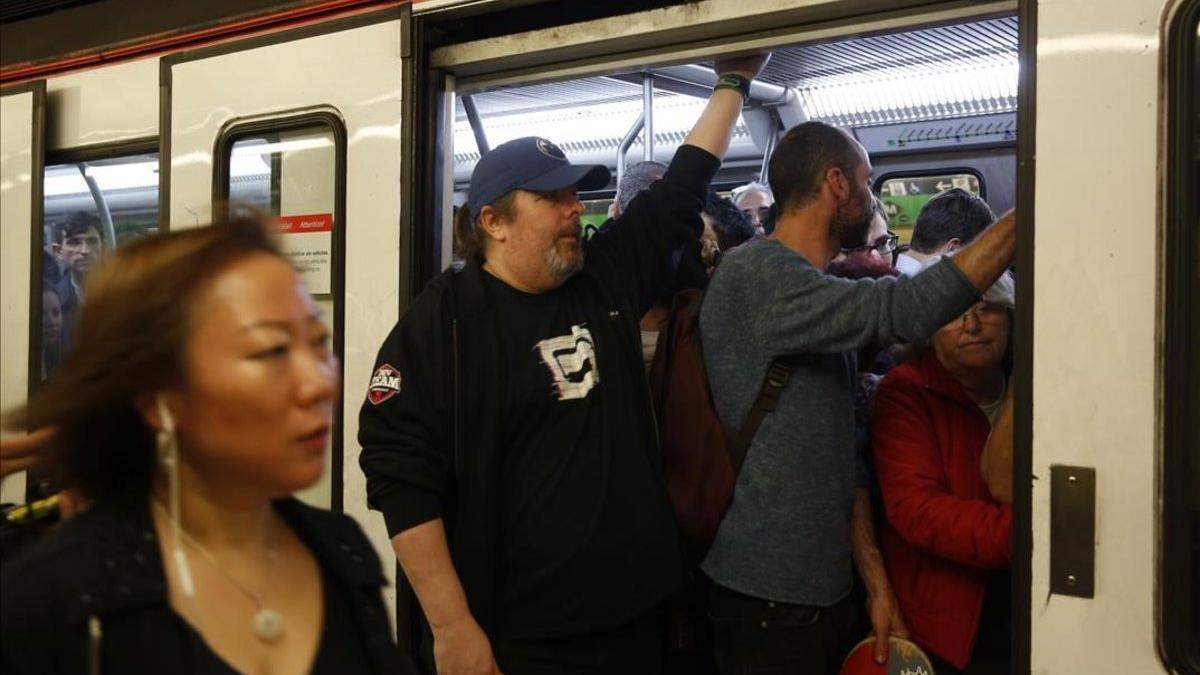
(354, 112)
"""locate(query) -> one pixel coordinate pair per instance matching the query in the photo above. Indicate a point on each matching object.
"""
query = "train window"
(90, 207)
(1179, 580)
(904, 194)
(294, 169)
(291, 174)
(595, 212)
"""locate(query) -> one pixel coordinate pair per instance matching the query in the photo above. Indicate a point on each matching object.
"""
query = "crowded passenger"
(754, 199)
(507, 435)
(801, 519)
(875, 258)
(731, 225)
(942, 443)
(872, 260)
(77, 247)
(202, 402)
(691, 266)
(947, 222)
(637, 179)
(52, 330)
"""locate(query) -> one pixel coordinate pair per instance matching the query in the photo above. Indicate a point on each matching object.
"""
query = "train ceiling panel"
(991, 43)
(937, 73)
(553, 96)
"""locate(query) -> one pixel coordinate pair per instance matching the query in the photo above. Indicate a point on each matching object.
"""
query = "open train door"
(22, 111)
(305, 124)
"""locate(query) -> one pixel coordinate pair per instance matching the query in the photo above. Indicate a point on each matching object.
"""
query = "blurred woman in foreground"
(198, 397)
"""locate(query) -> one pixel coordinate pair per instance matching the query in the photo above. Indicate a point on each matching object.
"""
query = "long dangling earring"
(168, 457)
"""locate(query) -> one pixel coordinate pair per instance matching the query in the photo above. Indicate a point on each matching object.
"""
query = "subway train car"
(358, 123)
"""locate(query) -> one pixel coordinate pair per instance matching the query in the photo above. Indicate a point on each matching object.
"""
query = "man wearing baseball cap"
(508, 436)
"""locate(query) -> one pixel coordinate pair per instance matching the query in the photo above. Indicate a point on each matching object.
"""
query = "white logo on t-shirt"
(572, 363)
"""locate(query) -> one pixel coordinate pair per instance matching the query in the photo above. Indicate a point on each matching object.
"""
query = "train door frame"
(691, 34)
(15, 390)
(571, 51)
(378, 245)
(1099, 328)
(324, 116)
(1179, 207)
(1023, 333)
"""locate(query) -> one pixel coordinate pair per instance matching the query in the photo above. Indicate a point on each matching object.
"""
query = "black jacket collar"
(118, 564)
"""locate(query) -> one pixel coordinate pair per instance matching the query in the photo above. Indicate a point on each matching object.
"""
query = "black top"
(341, 649)
(433, 429)
(92, 597)
(579, 492)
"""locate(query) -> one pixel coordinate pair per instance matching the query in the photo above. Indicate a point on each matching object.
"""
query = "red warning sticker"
(316, 222)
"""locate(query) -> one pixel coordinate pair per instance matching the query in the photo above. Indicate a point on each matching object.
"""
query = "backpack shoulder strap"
(778, 373)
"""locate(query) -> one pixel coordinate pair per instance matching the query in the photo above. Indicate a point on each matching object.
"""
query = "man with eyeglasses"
(77, 247)
(872, 260)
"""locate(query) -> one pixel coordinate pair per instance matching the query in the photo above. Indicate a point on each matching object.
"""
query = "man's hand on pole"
(715, 126)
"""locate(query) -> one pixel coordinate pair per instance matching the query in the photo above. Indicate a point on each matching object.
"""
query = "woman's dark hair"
(733, 227)
(129, 342)
(76, 223)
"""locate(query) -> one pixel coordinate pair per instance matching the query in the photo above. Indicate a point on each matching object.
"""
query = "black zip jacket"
(91, 597)
(432, 445)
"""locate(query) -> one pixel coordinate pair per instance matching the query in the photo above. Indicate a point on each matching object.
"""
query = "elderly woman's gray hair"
(1002, 293)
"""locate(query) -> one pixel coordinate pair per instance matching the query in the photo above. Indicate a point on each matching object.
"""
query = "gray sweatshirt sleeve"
(809, 311)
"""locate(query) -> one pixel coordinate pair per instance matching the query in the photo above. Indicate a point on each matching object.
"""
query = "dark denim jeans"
(752, 636)
(636, 648)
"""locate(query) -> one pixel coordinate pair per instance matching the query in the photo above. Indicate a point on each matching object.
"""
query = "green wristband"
(739, 83)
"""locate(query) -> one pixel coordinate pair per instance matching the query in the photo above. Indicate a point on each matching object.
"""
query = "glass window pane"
(89, 209)
(291, 175)
(903, 196)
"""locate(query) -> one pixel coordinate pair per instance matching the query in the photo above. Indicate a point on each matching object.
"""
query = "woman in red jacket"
(947, 543)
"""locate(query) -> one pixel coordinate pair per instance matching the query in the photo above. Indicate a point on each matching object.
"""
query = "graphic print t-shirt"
(587, 537)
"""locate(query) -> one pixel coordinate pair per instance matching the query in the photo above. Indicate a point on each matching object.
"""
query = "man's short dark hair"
(731, 225)
(75, 224)
(802, 158)
(636, 178)
(953, 214)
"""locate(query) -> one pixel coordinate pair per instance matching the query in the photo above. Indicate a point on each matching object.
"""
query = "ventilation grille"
(945, 72)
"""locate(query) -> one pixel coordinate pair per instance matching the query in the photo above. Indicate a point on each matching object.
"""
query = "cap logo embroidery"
(550, 150)
(385, 383)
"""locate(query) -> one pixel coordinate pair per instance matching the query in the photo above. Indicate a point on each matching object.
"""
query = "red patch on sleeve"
(385, 383)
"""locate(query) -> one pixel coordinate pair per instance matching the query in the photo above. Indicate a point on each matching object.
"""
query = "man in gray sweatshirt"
(801, 514)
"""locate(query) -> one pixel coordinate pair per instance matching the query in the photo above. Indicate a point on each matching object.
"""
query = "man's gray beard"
(559, 266)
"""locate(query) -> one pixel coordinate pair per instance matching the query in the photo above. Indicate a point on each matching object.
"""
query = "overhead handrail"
(626, 142)
(476, 124)
(762, 92)
(772, 139)
(106, 224)
(648, 117)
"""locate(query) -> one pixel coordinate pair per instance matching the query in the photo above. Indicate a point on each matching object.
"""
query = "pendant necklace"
(267, 622)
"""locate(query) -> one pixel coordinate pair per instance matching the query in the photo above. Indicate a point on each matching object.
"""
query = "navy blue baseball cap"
(529, 163)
